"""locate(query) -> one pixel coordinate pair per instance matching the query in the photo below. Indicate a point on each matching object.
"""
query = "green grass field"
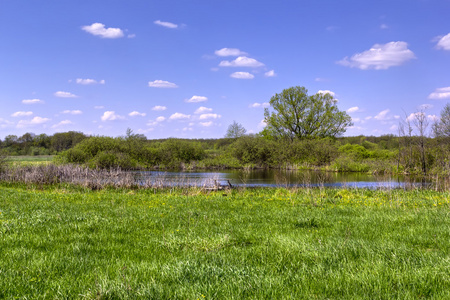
(68, 242)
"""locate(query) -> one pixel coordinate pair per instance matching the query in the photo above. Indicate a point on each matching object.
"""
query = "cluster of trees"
(42, 144)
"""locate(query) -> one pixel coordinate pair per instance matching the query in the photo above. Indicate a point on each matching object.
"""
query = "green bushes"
(107, 152)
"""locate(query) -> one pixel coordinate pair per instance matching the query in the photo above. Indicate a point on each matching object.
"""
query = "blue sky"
(190, 68)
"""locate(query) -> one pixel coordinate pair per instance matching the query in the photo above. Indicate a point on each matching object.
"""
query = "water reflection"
(278, 178)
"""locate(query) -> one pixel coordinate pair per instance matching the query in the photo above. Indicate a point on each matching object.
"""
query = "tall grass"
(61, 242)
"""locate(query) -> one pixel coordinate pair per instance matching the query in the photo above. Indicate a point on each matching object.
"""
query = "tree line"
(302, 132)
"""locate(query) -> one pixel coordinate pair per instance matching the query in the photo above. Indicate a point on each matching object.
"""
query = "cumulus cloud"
(61, 94)
(22, 114)
(241, 61)
(209, 116)
(162, 84)
(179, 116)
(99, 29)
(380, 57)
(229, 52)
(242, 75)
(258, 105)
(5, 123)
(32, 122)
(166, 24)
(324, 92)
(444, 42)
(440, 93)
(202, 110)
(32, 101)
(72, 112)
(382, 115)
(136, 113)
(160, 119)
(62, 123)
(159, 108)
(206, 124)
(111, 116)
(353, 109)
(195, 99)
(270, 73)
(88, 81)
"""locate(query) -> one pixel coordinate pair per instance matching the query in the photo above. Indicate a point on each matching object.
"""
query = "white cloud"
(202, 110)
(179, 116)
(160, 119)
(100, 30)
(262, 124)
(111, 116)
(368, 117)
(356, 120)
(444, 42)
(88, 81)
(319, 79)
(270, 73)
(62, 94)
(34, 121)
(5, 123)
(32, 101)
(187, 129)
(99, 107)
(206, 124)
(353, 109)
(242, 75)
(229, 52)
(72, 112)
(241, 61)
(380, 57)
(324, 92)
(159, 108)
(258, 105)
(209, 116)
(384, 26)
(166, 24)
(433, 118)
(162, 84)
(131, 36)
(393, 127)
(440, 93)
(22, 114)
(382, 115)
(62, 123)
(195, 99)
(136, 113)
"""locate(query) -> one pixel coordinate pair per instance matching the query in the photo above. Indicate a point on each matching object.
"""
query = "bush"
(112, 159)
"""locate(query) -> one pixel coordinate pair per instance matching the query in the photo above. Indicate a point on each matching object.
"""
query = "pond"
(277, 178)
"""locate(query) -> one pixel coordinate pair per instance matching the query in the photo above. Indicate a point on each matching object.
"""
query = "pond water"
(277, 178)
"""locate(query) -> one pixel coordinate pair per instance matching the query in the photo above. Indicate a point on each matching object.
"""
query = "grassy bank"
(68, 242)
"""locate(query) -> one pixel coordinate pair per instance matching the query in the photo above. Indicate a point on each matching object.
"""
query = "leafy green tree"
(235, 130)
(441, 128)
(297, 115)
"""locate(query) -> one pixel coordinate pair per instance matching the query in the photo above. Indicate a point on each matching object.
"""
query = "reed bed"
(96, 179)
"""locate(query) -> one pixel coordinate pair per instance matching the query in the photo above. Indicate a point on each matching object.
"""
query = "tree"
(441, 128)
(297, 115)
(235, 130)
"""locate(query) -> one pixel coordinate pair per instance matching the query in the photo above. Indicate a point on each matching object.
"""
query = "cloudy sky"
(190, 68)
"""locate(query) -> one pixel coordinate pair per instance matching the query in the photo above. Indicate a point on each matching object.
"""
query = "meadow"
(64, 241)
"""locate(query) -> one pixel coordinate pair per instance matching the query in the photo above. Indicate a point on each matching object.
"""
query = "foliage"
(297, 115)
(235, 130)
(441, 128)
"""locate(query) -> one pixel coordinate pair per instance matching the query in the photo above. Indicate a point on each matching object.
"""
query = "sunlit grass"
(62, 241)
